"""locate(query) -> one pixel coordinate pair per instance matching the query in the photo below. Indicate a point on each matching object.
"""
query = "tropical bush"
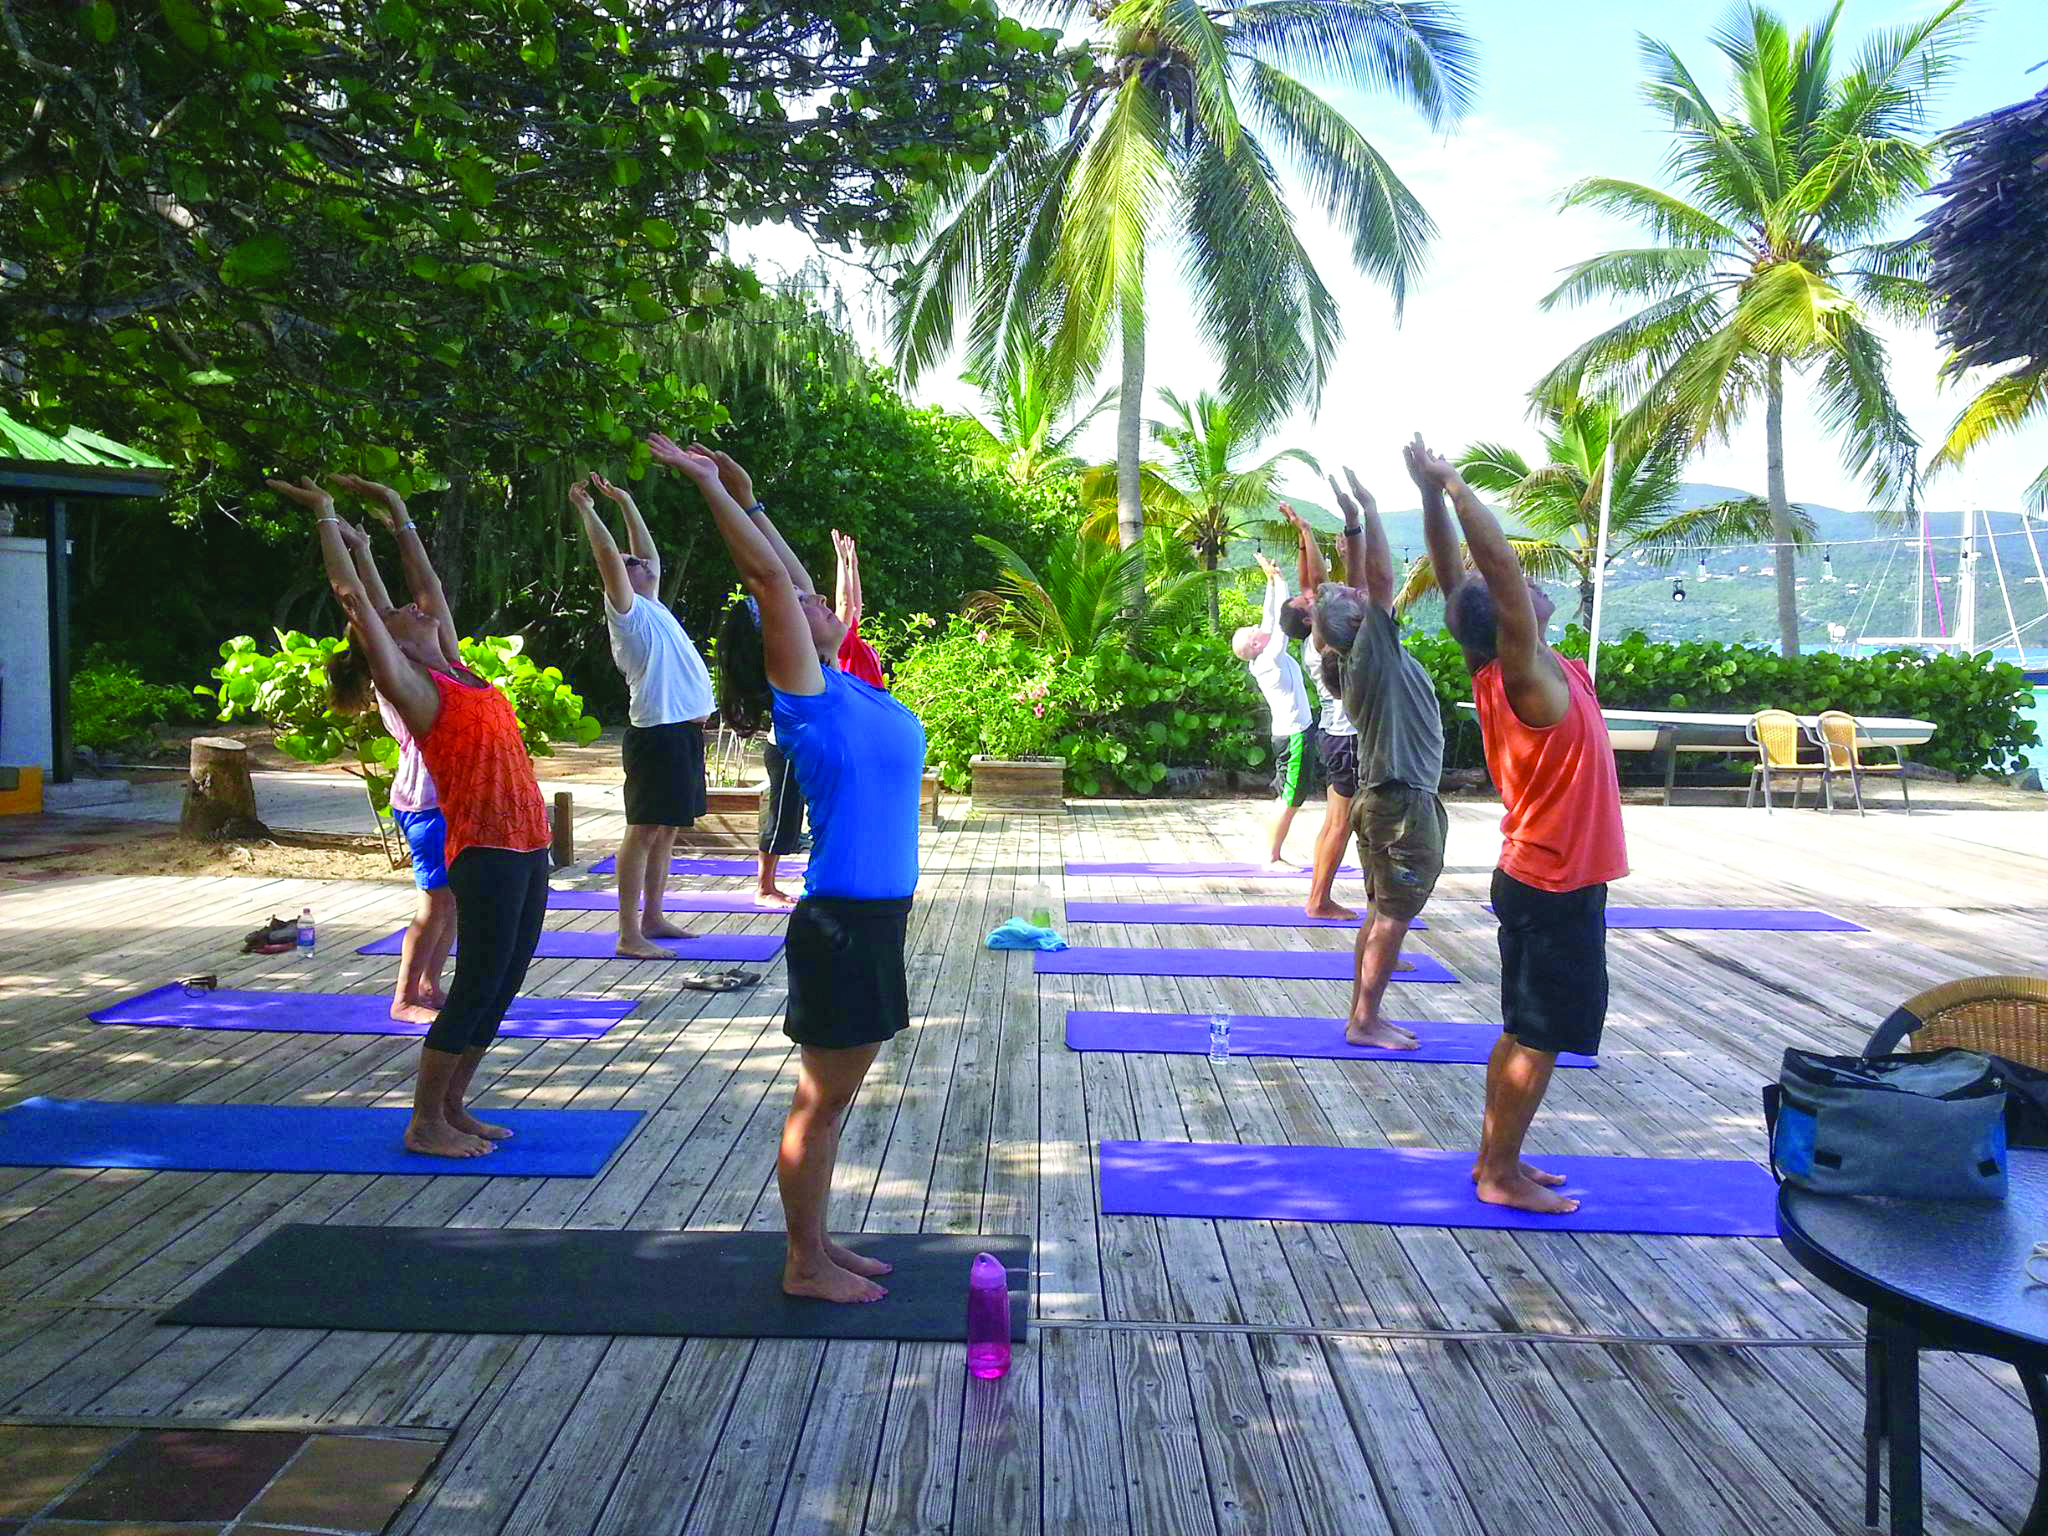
(112, 705)
(1120, 718)
(287, 689)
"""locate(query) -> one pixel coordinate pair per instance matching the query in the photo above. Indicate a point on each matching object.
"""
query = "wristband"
(757, 510)
(1353, 530)
(403, 527)
(326, 520)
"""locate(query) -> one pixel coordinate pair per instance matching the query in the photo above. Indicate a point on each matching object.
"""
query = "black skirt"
(846, 982)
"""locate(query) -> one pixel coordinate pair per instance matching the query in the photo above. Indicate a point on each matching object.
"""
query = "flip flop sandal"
(197, 986)
(719, 981)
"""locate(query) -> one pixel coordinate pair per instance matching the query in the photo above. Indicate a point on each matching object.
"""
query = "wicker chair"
(1776, 736)
(2000, 1015)
(1837, 735)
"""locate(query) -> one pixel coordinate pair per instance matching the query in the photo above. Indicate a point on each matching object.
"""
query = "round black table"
(1934, 1275)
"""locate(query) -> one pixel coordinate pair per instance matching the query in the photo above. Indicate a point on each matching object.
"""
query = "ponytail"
(349, 689)
(744, 700)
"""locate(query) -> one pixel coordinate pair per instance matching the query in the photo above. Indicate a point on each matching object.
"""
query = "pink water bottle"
(988, 1318)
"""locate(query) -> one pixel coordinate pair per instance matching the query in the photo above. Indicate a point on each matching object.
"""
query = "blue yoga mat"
(558, 944)
(609, 864)
(1252, 964)
(1210, 914)
(267, 1138)
(1407, 1187)
(347, 1013)
(1737, 919)
(1254, 1034)
(1210, 871)
(671, 901)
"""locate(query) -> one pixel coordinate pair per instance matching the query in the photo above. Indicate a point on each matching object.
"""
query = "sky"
(1557, 100)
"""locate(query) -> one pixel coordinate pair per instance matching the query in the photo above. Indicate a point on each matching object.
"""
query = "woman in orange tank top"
(497, 832)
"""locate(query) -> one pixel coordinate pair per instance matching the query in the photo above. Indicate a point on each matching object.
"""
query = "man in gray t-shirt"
(1397, 815)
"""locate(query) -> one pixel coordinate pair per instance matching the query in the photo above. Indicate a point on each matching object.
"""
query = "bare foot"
(1380, 1035)
(435, 998)
(828, 1282)
(775, 900)
(1526, 1195)
(1281, 867)
(414, 1013)
(847, 1259)
(641, 949)
(662, 928)
(469, 1125)
(1330, 910)
(439, 1139)
(1404, 965)
(1533, 1174)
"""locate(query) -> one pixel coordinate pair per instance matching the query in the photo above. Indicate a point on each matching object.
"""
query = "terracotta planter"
(1017, 784)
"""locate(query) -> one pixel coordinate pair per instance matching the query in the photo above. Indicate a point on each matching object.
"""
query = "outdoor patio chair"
(1999, 1015)
(1839, 738)
(1776, 736)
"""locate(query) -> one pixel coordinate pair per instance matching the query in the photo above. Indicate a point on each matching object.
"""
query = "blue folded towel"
(1018, 934)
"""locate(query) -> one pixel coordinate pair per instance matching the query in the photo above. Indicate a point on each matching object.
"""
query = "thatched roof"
(1989, 238)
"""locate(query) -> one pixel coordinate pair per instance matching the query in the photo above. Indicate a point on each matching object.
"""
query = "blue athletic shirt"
(859, 756)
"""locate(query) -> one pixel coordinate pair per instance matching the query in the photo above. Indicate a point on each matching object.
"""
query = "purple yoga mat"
(1408, 1187)
(1257, 1034)
(673, 901)
(609, 865)
(1198, 871)
(1757, 919)
(1252, 964)
(346, 1013)
(1214, 914)
(557, 944)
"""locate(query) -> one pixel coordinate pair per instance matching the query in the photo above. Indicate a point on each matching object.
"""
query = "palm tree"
(1022, 433)
(1558, 501)
(2006, 404)
(1771, 251)
(1199, 491)
(1080, 598)
(1176, 128)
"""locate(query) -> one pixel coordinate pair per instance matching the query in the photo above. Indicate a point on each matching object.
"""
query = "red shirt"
(858, 659)
(1561, 830)
(489, 798)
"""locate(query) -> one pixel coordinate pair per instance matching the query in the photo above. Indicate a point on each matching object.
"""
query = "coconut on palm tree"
(1031, 427)
(1176, 130)
(1201, 491)
(1556, 499)
(1772, 253)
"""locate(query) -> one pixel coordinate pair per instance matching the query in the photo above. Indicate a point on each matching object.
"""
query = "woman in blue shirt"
(859, 756)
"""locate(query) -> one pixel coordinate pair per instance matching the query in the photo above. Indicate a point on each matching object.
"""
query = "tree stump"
(220, 800)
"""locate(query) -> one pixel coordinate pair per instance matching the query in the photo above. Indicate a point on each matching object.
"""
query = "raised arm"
(788, 649)
(1446, 555)
(853, 580)
(611, 565)
(1368, 562)
(364, 558)
(639, 542)
(1310, 570)
(396, 675)
(845, 587)
(421, 579)
(739, 485)
(1276, 598)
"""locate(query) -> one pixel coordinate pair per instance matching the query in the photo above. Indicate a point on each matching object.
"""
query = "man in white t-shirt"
(1296, 767)
(671, 696)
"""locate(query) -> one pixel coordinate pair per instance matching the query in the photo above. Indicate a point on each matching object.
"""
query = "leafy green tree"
(1202, 492)
(1176, 128)
(1031, 425)
(264, 232)
(1557, 499)
(1081, 597)
(1771, 253)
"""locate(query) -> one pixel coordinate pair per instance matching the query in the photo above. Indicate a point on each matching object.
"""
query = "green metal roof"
(77, 446)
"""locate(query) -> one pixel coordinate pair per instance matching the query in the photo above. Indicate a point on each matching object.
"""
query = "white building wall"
(24, 655)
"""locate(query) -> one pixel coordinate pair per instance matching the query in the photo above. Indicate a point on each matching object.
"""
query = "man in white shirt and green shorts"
(1297, 771)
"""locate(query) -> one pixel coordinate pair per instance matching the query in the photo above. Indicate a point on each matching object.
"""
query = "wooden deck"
(1183, 1376)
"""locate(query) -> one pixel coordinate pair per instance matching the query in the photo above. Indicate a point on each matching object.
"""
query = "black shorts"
(1297, 766)
(782, 827)
(664, 774)
(1340, 763)
(1553, 964)
(846, 981)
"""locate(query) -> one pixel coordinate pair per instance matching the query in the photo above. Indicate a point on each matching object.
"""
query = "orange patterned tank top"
(479, 763)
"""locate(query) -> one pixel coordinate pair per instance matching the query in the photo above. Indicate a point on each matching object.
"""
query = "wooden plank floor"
(1208, 1377)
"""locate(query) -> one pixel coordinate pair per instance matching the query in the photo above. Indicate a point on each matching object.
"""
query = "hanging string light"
(1827, 564)
(1678, 589)
(1703, 568)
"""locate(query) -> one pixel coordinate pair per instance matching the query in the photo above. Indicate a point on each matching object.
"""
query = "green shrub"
(112, 706)
(287, 689)
(1120, 719)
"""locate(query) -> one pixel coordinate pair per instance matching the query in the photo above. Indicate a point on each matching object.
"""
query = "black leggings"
(782, 830)
(501, 899)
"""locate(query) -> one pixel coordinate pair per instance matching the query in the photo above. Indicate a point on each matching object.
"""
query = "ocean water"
(2038, 756)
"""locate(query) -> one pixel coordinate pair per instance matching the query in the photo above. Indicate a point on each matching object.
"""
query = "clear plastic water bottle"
(1219, 1038)
(305, 933)
(988, 1318)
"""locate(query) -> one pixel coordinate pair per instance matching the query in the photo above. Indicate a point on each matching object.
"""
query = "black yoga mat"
(666, 1284)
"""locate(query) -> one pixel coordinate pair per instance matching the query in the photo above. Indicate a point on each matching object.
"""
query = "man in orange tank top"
(1561, 839)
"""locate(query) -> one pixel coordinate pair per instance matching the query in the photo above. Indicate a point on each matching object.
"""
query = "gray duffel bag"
(1920, 1126)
